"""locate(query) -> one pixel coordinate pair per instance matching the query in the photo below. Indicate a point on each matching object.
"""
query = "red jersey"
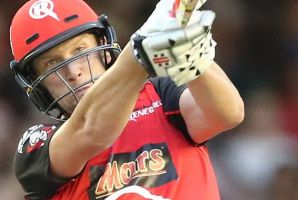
(151, 159)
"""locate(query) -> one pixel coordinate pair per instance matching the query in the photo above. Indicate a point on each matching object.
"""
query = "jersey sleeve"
(170, 94)
(32, 163)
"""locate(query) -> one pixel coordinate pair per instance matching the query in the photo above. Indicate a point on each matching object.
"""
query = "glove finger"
(201, 39)
(185, 76)
(167, 39)
(204, 17)
(195, 61)
(179, 51)
(174, 38)
(176, 69)
(194, 31)
(191, 53)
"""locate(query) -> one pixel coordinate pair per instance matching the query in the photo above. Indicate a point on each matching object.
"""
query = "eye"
(51, 63)
(79, 50)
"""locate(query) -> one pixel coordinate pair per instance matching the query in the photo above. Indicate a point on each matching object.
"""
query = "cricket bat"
(183, 9)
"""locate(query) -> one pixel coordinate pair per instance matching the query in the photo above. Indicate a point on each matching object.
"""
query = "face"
(72, 75)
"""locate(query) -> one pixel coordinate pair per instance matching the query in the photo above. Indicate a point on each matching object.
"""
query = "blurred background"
(257, 48)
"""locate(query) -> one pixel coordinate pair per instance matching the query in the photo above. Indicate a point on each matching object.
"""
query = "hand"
(163, 18)
(193, 61)
(181, 54)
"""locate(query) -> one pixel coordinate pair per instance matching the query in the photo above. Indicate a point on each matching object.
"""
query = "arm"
(99, 118)
(103, 112)
(211, 105)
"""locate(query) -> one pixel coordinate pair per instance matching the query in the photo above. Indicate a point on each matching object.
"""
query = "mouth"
(81, 90)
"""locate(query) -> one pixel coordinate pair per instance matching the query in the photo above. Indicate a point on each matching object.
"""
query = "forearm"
(105, 109)
(217, 98)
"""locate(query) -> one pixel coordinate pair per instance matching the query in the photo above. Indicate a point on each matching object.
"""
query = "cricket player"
(131, 123)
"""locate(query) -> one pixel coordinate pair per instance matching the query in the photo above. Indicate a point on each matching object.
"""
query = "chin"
(69, 106)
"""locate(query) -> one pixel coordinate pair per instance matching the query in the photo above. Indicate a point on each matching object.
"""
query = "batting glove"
(181, 54)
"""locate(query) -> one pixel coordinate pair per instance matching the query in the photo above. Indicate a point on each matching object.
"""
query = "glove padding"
(194, 61)
(181, 54)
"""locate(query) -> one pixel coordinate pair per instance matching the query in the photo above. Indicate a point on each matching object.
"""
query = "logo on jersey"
(36, 135)
(149, 166)
(42, 9)
(145, 110)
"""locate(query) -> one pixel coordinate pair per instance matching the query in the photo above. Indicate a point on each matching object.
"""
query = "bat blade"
(183, 10)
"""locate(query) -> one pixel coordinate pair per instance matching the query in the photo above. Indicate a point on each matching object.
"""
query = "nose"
(72, 72)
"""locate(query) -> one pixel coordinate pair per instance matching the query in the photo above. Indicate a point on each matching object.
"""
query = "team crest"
(36, 135)
(42, 9)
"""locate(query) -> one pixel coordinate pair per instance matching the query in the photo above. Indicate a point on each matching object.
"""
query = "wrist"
(139, 54)
(129, 62)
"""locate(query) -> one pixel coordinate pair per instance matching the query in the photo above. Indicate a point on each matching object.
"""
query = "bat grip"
(174, 9)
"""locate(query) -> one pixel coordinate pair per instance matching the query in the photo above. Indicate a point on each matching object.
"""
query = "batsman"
(131, 123)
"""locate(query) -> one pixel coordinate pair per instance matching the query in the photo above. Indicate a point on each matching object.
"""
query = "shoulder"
(32, 162)
(35, 137)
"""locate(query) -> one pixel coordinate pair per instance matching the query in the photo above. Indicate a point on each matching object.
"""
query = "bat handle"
(175, 7)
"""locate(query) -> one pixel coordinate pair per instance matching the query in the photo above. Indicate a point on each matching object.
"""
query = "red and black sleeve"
(32, 163)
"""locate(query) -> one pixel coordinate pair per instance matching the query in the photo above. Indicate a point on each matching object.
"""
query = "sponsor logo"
(36, 136)
(161, 60)
(145, 110)
(150, 166)
(42, 9)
